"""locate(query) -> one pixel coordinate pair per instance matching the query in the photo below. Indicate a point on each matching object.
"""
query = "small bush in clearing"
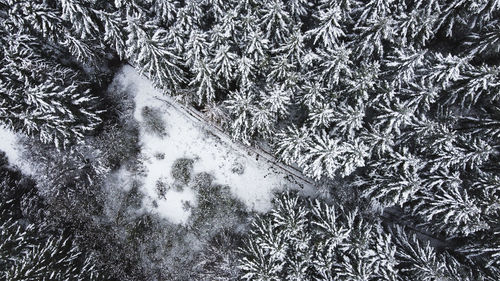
(237, 168)
(161, 189)
(153, 121)
(182, 170)
(202, 180)
(159, 155)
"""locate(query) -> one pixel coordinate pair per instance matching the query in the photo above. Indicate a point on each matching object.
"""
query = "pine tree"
(313, 94)
(204, 81)
(166, 10)
(241, 104)
(39, 17)
(321, 116)
(33, 252)
(309, 240)
(335, 63)
(189, 16)
(394, 182)
(476, 83)
(405, 64)
(263, 122)
(157, 58)
(323, 157)
(486, 42)
(293, 143)
(257, 46)
(258, 266)
(293, 48)
(348, 120)
(56, 259)
(114, 34)
(329, 29)
(456, 211)
(373, 34)
(416, 26)
(275, 20)
(51, 104)
(79, 14)
(446, 69)
(277, 101)
(196, 48)
(224, 63)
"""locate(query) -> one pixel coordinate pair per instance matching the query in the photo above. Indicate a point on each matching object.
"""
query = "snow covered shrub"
(202, 180)
(3, 159)
(237, 168)
(153, 121)
(216, 208)
(134, 197)
(119, 143)
(219, 259)
(159, 155)
(161, 189)
(182, 169)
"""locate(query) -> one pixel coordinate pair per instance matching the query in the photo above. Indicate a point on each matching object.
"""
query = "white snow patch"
(10, 145)
(188, 139)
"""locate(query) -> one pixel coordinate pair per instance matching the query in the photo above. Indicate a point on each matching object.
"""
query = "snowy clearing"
(250, 180)
(10, 145)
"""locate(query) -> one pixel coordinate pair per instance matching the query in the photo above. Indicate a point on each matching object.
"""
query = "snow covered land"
(8, 144)
(250, 180)
(13, 150)
(384, 114)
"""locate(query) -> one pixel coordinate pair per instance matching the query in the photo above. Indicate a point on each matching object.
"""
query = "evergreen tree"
(241, 104)
(43, 99)
(293, 143)
(402, 95)
(35, 252)
(311, 240)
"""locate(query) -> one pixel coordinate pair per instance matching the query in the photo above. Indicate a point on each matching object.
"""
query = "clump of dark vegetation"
(219, 259)
(159, 155)
(32, 246)
(153, 121)
(237, 168)
(216, 208)
(182, 169)
(162, 189)
(201, 181)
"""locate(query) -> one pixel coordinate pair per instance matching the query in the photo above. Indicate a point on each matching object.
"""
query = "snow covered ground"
(10, 145)
(185, 138)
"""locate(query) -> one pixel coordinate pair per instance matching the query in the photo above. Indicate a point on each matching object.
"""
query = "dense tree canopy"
(310, 240)
(398, 99)
(30, 249)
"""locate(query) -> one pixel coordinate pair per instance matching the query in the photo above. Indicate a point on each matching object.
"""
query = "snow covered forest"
(250, 140)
